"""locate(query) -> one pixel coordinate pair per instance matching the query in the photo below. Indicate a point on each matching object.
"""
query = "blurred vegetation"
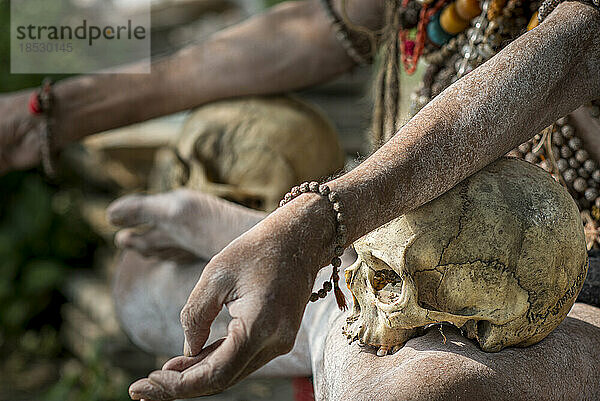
(43, 239)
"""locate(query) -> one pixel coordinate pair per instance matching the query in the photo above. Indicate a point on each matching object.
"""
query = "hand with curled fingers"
(264, 278)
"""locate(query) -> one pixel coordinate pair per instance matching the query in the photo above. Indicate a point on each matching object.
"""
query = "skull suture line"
(501, 256)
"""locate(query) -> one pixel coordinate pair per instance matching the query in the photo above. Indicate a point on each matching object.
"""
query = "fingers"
(148, 389)
(217, 367)
(203, 305)
(182, 363)
(222, 366)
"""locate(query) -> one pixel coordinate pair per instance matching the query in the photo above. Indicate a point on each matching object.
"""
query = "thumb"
(203, 305)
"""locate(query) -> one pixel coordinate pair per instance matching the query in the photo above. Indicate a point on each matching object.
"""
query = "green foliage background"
(43, 239)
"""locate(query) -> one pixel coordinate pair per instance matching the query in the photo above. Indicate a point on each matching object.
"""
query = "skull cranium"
(251, 150)
(501, 256)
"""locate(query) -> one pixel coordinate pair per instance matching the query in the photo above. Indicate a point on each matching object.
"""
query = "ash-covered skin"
(298, 49)
(179, 223)
(150, 293)
(543, 75)
(150, 289)
(437, 367)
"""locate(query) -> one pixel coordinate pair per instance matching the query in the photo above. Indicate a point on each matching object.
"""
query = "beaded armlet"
(41, 103)
(344, 36)
(549, 5)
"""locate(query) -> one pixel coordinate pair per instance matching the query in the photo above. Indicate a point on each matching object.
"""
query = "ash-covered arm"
(543, 75)
(290, 46)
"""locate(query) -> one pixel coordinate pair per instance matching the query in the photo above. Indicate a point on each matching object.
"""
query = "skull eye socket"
(388, 286)
(386, 283)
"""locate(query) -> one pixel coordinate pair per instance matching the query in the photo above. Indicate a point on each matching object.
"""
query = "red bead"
(34, 104)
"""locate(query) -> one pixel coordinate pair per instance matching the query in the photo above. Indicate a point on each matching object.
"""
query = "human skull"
(501, 256)
(250, 150)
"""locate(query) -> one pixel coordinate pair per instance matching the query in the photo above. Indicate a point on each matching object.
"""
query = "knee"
(425, 369)
(422, 379)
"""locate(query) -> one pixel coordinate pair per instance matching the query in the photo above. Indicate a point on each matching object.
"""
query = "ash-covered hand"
(264, 278)
(178, 223)
(19, 134)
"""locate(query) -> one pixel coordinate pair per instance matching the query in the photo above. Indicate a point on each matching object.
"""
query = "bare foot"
(180, 223)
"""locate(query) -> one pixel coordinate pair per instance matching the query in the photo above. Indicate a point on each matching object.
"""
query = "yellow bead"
(468, 9)
(451, 22)
(533, 22)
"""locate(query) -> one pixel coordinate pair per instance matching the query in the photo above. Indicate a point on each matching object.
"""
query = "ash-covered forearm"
(292, 46)
(541, 76)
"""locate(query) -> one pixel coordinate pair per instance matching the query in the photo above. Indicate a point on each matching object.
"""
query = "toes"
(127, 211)
(153, 243)
(128, 238)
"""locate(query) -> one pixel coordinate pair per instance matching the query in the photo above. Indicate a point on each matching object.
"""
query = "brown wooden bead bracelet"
(341, 237)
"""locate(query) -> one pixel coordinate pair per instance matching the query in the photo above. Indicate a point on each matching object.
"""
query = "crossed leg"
(149, 291)
(563, 366)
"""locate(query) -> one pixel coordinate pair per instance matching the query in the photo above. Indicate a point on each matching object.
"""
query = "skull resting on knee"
(501, 256)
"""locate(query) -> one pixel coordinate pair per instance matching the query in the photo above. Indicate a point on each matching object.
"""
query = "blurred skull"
(250, 150)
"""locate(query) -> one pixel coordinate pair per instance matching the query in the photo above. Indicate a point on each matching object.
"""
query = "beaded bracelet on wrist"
(341, 236)
(42, 103)
(549, 5)
(342, 35)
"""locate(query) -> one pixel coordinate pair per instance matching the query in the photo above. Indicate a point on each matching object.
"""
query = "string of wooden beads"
(549, 5)
(41, 103)
(561, 152)
(343, 36)
(341, 237)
